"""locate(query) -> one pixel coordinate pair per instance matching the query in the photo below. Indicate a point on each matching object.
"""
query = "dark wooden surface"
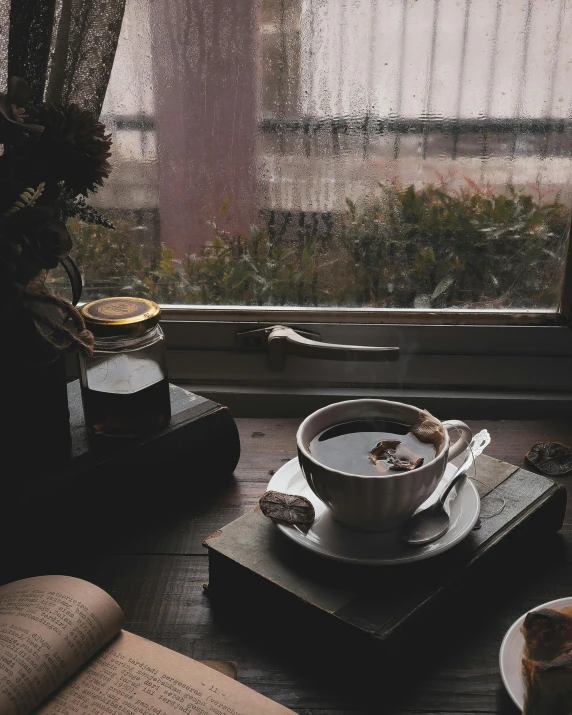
(146, 551)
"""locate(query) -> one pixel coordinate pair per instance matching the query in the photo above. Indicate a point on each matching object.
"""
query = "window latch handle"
(281, 340)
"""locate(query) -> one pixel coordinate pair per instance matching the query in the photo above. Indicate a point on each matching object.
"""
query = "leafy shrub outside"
(427, 248)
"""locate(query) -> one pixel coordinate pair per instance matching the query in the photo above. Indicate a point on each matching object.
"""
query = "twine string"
(59, 337)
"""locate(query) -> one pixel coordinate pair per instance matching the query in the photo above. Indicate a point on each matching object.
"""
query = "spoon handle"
(478, 443)
(459, 474)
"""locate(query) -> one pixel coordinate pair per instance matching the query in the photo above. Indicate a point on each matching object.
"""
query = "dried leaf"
(398, 457)
(406, 464)
(287, 508)
(384, 449)
(551, 458)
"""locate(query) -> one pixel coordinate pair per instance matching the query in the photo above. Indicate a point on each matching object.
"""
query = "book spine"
(203, 450)
(210, 442)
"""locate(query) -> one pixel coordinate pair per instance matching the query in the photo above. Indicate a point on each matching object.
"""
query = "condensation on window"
(355, 153)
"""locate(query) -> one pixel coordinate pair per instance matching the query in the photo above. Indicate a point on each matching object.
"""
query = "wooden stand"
(201, 434)
(352, 615)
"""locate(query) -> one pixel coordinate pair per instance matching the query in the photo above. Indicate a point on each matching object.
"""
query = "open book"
(62, 651)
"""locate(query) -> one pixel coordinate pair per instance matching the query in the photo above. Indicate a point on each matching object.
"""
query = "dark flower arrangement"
(53, 157)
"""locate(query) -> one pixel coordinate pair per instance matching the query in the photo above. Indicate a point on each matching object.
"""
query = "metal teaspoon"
(431, 523)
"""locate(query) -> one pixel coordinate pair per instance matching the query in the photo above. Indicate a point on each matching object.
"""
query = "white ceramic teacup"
(381, 502)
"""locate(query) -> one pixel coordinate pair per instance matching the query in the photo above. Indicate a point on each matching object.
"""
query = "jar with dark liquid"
(124, 384)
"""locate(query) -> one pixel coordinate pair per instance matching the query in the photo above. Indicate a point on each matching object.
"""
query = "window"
(356, 166)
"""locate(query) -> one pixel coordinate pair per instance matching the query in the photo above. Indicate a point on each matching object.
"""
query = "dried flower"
(73, 148)
(551, 458)
(34, 239)
(53, 157)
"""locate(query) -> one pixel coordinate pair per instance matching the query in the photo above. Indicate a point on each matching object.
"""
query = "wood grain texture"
(147, 553)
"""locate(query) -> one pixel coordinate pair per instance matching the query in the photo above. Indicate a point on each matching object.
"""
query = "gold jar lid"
(121, 315)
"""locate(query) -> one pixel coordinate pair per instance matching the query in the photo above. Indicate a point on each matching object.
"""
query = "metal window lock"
(280, 340)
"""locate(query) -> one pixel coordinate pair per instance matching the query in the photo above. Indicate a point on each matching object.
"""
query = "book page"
(49, 627)
(134, 676)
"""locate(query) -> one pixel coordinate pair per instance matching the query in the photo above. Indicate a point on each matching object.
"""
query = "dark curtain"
(31, 23)
(64, 48)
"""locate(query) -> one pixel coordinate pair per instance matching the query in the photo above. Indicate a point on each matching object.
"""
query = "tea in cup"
(374, 462)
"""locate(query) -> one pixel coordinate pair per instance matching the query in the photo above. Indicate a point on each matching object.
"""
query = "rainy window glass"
(356, 153)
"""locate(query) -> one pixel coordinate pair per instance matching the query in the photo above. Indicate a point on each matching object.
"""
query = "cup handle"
(464, 440)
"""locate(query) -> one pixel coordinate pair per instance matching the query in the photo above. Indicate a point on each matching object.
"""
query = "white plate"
(329, 538)
(510, 656)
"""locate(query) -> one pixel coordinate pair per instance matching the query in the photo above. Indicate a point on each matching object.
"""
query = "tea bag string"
(495, 504)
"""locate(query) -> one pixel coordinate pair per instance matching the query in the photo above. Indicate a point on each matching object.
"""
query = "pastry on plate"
(547, 665)
(547, 633)
(548, 686)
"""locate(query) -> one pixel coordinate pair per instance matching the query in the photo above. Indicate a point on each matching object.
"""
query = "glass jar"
(124, 384)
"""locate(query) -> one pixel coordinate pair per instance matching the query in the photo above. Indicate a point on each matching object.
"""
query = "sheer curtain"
(63, 48)
(205, 67)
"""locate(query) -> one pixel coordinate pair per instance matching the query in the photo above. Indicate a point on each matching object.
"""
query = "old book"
(259, 576)
(63, 651)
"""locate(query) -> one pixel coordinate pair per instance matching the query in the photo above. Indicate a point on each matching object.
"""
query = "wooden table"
(156, 567)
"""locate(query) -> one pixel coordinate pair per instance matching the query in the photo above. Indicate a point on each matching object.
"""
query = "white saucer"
(329, 538)
(511, 651)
